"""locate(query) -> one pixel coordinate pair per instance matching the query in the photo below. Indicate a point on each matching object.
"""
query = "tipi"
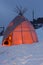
(19, 31)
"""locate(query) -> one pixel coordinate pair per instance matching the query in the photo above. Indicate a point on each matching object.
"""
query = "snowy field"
(23, 54)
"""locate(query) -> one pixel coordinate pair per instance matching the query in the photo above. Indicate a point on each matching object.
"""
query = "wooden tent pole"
(21, 33)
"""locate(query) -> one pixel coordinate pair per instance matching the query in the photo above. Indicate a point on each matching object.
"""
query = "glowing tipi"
(19, 31)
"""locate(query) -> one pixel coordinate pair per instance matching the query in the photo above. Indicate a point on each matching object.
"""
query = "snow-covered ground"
(23, 54)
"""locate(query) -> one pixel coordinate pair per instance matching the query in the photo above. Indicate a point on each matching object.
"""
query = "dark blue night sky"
(7, 9)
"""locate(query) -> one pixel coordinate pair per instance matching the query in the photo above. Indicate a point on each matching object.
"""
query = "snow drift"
(23, 54)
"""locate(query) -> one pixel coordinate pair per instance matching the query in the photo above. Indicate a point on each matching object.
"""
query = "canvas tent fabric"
(19, 31)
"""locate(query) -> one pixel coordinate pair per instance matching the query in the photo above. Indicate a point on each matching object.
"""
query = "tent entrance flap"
(8, 41)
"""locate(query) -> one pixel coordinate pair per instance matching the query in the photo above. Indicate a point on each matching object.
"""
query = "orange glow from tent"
(10, 38)
(23, 33)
